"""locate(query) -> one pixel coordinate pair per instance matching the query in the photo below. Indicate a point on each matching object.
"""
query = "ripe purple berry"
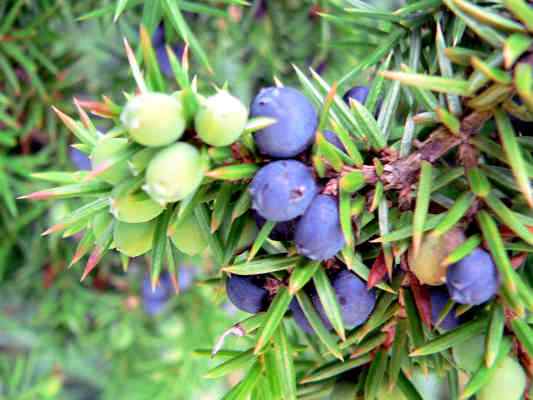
(296, 123)
(318, 233)
(154, 300)
(282, 190)
(186, 276)
(158, 37)
(247, 293)
(439, 297)
(164, 60)
(474, 279)
(355, 300)
(79, 159)
(359, 93)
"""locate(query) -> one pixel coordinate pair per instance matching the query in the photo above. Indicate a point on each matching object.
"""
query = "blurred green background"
(102, 339)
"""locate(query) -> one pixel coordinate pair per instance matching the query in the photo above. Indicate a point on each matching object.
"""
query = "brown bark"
(403, 172)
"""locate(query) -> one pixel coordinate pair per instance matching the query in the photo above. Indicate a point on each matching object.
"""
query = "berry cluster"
(171, 169)
(315, 221)
(286, 191)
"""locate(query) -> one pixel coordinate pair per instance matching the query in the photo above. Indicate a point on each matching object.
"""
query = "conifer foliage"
(360, 208)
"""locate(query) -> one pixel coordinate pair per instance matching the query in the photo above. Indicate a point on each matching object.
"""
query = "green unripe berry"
(174, 173)
(105, 149)
(135, 208)
(469, 354)
(427, 265)
(430, 386)
(154, 119)
(188, 237)
(508, 382)
(221, 119)
(134, 239)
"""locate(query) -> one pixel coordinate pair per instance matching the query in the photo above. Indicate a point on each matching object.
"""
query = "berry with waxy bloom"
(134, 239)
(174, 173)
(135, 208)
(474, 279)
(221, 119)
(247, 293)
(355, 300)
(439, 297)
(359, 93)
(508, 382)
(282, 190)
(318, 233)
(154, 119)
(187, 236)
(295, 126)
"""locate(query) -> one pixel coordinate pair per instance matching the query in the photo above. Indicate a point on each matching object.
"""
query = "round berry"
(474, 279)
(158, 37)
(508, 382)
(430, 385)
(358, 93)
(154, 119)
(247, 293)
(164, 60)
(469, 354)
(174, 173)
(318, 233)
(295, 126)
(105, 149)
(187, 236)
(439, 298)
(79, 159)
(186, 276)
(282, 231)
(334, 140)
(282, 190)
(135, 208)
(221, 119)
(355, 300)
(134, 239)
(427, 265)
(154, 300)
